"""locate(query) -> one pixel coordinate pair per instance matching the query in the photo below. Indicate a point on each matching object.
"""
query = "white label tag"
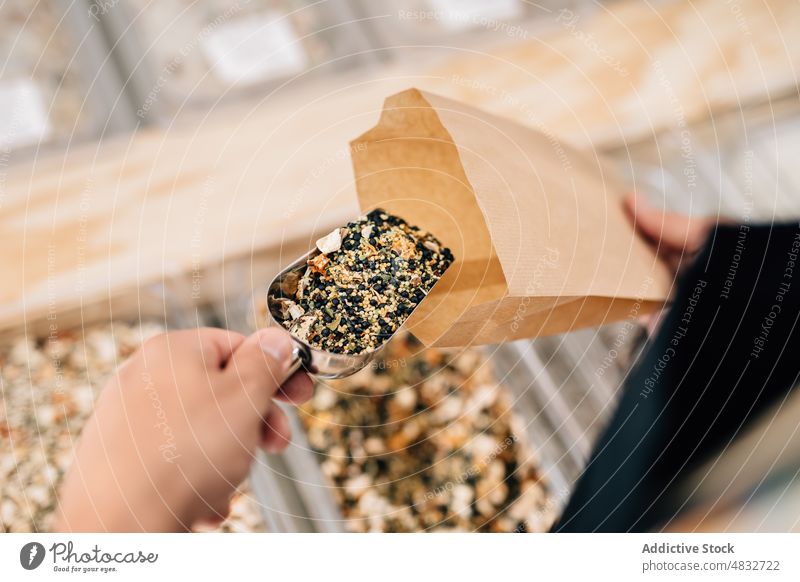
(250, 50)
(24, 118)
(459, 15)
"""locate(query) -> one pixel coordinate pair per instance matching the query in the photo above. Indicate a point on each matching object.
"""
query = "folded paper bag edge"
(549, 322)
(536, 193)
(409, 165)
(415, 121)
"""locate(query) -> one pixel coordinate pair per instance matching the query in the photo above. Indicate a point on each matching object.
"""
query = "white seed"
(324, 398)
(330, 243)
(449, 409)
(461, 499)
(374, 446)
(483, 447)
(302, 326)
(431, 246)
(355, 486)
(406, 398)
(483, 397)
(295, 310)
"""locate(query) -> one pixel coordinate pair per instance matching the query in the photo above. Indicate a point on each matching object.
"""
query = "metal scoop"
(315, 361)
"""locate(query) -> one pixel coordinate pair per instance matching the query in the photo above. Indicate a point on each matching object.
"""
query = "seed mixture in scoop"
(361, 285)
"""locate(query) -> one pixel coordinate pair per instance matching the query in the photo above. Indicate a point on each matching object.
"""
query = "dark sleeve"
(729, 346)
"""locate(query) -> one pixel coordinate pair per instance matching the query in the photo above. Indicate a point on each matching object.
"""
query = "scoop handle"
(301, 358)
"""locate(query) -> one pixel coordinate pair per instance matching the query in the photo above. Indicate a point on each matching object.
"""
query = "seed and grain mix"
(360, 286)
(427, 440)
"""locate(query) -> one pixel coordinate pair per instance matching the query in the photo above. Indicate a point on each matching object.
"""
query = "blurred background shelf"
(183, 59)
(57, 86)
(245, 175)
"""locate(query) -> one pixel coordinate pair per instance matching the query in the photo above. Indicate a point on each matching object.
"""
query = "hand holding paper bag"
(540, 236)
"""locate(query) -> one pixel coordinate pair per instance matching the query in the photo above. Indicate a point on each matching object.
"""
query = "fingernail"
(277, 346)
(275, 448)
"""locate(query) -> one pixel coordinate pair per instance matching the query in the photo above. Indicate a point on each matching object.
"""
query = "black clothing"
(729, 346)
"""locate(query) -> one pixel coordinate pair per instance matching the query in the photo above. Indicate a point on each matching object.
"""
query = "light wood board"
(181, 203)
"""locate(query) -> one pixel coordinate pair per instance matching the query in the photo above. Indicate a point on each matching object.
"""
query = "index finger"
(217, 345)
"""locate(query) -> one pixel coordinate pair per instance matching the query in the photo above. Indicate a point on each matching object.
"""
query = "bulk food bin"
(48, 383)
(56, 87)
(187, 56)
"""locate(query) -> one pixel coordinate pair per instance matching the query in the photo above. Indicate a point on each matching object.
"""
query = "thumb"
(670, 231)
(261, 363)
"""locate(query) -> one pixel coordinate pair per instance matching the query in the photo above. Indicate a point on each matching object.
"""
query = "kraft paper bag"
(540, 236)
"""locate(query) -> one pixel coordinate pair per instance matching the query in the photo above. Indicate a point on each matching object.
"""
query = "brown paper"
(540, 236)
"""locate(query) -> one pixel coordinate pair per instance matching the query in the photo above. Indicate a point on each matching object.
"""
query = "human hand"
(175, 430)
(677, 238)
